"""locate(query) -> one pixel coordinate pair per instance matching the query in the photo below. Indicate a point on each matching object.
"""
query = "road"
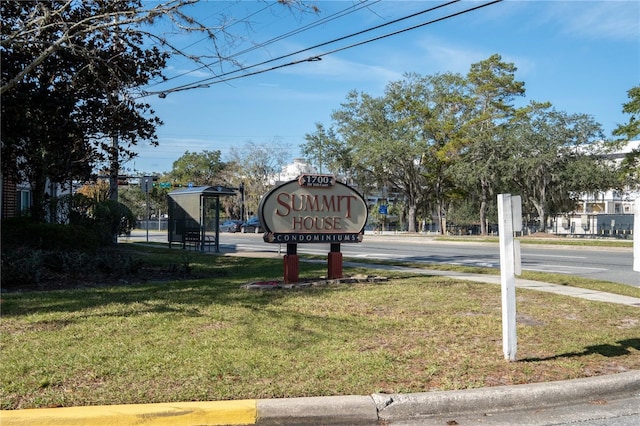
(624, 411)
(613, 264)
(604, 263)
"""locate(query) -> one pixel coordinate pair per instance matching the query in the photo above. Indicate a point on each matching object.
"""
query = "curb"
(322, 410)
(241, 412)
(357, 410)
(502, 398)
(337, 410)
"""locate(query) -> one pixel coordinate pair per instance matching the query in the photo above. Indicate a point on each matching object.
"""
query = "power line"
(207, 83)
(204, 82)
(325, 20)
(210, 80)
(206, 38)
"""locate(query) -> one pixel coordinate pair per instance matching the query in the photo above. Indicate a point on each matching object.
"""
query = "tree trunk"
(411, 217)
(541, 207)
(541, 210)
(114, 170)
(38, 183)
(483, 208)
(440, 219)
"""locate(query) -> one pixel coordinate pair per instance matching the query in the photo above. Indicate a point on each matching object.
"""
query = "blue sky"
(582, 56)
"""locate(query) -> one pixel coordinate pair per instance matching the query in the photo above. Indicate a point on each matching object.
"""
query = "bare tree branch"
(45, 18)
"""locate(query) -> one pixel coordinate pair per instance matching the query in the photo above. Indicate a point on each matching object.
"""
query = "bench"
(193, 239)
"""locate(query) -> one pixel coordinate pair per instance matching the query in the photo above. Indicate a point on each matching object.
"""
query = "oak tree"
(554, 157)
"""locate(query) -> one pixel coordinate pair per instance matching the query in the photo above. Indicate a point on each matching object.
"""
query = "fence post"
(509, 220)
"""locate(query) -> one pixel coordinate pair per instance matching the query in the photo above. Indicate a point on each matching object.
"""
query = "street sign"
(382, 209)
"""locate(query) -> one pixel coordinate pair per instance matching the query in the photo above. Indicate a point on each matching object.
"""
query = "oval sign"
(325, 211)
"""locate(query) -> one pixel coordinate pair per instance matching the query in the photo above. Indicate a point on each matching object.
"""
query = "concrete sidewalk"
(374, 409)
(598, 296)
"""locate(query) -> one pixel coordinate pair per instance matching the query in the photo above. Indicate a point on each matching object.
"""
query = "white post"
(507, 276)
(636, 236)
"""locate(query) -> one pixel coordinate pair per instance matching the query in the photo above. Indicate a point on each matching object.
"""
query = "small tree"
(257, 166)
(98, 191)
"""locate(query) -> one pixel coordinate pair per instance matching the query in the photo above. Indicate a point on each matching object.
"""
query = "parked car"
(252, 225)
(231, 226)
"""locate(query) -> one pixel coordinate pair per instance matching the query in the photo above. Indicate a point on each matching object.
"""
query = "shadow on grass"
(217, 280)
(621, 348)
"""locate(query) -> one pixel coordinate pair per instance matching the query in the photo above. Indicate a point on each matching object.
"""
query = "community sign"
(313, 209)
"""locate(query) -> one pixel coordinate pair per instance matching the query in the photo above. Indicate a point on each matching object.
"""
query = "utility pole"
(114, 169)
(241, 188)
(147, 186)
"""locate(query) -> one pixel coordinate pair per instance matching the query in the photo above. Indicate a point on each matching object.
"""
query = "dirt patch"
(312, 282)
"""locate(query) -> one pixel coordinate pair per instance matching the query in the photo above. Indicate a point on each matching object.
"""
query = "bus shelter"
(194, 216)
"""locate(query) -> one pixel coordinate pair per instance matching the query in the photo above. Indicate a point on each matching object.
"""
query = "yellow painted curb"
(243, 412)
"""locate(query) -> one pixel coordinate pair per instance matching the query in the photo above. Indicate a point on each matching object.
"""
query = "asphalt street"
(616, 412)
(614, 264)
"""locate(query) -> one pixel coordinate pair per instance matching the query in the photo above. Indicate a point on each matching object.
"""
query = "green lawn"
(208, 339)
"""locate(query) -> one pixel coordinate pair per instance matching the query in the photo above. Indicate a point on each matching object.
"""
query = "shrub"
(111, 219)
(68, 263)
(52, 269)
(21, 266)
(22, 232)
(115, 262)
(34, 252)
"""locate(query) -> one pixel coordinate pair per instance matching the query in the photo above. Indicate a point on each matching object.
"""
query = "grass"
(208, 339)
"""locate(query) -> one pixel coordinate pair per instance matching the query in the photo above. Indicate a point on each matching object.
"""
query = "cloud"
(616, 20)
(334, 66)
(446, 57)
(440, 56)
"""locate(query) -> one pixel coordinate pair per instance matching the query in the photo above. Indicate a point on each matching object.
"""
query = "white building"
(604, 213)
(292, 171)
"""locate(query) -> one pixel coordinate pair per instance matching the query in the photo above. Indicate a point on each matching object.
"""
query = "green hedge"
(24, 233)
